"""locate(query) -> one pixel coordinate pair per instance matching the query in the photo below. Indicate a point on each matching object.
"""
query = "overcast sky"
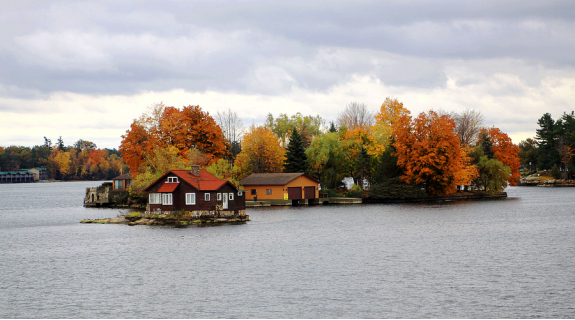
(87, 69)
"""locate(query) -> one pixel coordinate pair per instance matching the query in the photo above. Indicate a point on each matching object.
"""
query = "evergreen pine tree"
(296, 159)
(486, 145)
(362, 167)
(332, 127)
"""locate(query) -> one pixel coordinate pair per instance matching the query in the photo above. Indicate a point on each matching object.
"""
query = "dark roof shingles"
(271, 179)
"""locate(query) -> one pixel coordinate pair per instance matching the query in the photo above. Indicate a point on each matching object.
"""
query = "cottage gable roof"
(125, 176)
(272, 179)
(205, 181)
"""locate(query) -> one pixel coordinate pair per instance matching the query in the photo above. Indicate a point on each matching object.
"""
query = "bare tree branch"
(356, 115)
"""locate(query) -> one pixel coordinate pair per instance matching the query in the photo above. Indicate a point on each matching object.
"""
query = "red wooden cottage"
(194, 190)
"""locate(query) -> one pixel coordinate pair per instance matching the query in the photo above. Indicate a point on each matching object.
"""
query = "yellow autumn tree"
(261, 153)
(390, 112)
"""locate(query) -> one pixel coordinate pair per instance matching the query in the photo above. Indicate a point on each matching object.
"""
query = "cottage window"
(155, 198)
(254, 192)
(190, 198)
(118, 184)
(219, 197)
(268, 191)
(167, 199)
(240, 193)
(206, 196)
(172, 179)
(231, 196)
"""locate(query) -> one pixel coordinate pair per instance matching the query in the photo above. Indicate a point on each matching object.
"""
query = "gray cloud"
(110, 47)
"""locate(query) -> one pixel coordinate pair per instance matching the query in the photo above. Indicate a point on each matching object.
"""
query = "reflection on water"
(468, 259)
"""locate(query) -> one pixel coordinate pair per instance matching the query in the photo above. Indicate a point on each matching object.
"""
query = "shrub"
(555, 173)
(395, 188)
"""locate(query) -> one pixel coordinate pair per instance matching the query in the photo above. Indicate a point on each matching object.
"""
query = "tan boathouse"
(281, 188)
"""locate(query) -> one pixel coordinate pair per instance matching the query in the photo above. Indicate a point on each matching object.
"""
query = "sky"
(87, 69)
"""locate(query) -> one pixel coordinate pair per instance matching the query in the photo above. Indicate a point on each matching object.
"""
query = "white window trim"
(173, 180)
(206, 196)
(155, 198)
(167, 199)
(219, 197)
(240, 192)
(190, 199)
(231, 196)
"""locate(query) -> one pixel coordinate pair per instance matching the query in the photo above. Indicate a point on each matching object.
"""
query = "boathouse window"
(155, 198)
(219, 197)
(268, 191)
(253, 191)
(167, 199)
(231, 196)
(190, 198)
(118, 184)
(172, 179)
(207, 196)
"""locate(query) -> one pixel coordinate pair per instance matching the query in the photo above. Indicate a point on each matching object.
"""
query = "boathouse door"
(309, 192)
(225, 200)
(294, 193)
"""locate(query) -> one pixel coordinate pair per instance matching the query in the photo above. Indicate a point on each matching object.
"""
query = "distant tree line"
(553, 147)
(388, 153)
(80, 161)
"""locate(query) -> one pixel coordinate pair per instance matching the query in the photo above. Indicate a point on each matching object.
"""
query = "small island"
(187, 197)
(178, 218)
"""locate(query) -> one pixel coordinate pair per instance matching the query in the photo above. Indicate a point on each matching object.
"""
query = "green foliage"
(528, 153)
(386, 167)
(104, 185)
(355, 192)
(555, 173)
(328, 160)
(493, 175)
(134, 214)
(296, 159)
(332, 127)
(329, 193)
(363, 167)
(396, 188)
(547, 139)
(224, 170)
(308, 126)
(486, 144)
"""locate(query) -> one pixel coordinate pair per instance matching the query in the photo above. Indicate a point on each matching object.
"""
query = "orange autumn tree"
(505, 151)
(136, 143)
(468, 171)
(429, 152)
(187, 129)
(261, 153)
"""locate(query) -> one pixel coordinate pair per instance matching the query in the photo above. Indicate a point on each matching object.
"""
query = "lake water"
(509, 258)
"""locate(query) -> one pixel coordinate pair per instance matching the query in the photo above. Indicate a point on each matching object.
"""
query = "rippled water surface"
(510, 258)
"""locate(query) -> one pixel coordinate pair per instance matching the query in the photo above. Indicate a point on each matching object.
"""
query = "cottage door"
(225, 200)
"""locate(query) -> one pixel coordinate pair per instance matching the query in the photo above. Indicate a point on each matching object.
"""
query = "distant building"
(122, 182)
(194, 190)
(23, 175)
(41, 173)
(281, 187)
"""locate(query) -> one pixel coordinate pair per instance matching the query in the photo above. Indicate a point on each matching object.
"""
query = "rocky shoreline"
(173, 219)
